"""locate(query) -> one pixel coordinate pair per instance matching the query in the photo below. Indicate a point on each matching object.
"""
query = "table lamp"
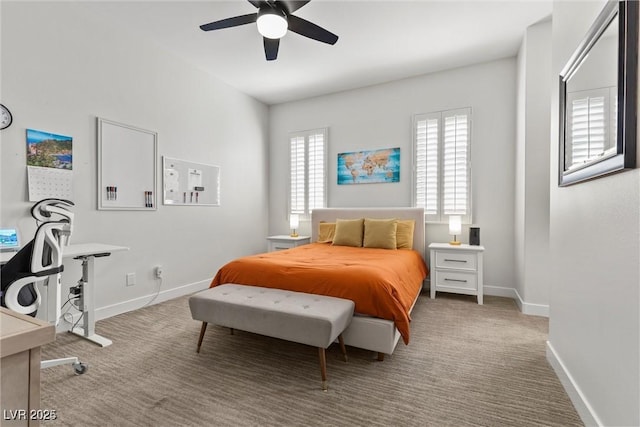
(294, 222)
(455, 228)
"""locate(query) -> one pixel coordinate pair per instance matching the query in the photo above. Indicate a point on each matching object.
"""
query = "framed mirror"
(598, 98)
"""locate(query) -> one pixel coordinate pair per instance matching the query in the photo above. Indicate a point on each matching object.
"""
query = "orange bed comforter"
(382, 283)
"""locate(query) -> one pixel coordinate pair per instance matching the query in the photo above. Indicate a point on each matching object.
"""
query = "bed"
(384, 284)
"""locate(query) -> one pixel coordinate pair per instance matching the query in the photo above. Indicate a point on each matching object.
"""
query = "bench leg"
(323, 368)
(380, 356)
(342, 347)
(202, 330)
(230, 331)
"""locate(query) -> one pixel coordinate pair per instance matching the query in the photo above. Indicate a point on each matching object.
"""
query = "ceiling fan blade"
(291, 6)
(256, 3)
(311, 30)
(230, 22)
(271, 48)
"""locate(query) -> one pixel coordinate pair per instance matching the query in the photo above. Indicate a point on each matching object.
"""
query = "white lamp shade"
(294, 221)
(455, 225)
(272, 25)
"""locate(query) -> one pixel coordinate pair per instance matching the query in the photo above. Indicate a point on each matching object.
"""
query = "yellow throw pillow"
(349, 232)
(404, 234)
(380, 233)
(326, 231)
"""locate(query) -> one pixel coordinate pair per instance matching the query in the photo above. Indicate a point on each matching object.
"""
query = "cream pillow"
(380, 233)
(326, 231)
(348, 232)
(404, 234)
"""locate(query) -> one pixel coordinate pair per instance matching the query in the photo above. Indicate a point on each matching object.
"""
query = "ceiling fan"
(274, 18)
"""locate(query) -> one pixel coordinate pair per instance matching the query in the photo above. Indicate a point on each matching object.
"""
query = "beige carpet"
(466, 365)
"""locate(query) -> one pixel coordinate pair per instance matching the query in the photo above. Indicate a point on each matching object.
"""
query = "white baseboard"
(525, 307)
(500, 291)
(530, 308)
(137, 303)
(584, 409)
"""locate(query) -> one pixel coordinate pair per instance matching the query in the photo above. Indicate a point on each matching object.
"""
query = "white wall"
(59, 71)
(380, 116)
(594, 324)
(532, 169)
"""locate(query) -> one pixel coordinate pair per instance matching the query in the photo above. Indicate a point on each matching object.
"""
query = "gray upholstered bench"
(314, 320)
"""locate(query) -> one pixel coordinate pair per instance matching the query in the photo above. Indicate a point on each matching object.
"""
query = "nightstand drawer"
(457, 260)
(455, 280)
(282, 242)
(279, 246)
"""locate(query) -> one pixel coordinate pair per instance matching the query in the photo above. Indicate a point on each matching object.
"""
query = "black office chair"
(40, 260)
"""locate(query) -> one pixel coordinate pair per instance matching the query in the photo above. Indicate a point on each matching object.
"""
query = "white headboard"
(331, 214)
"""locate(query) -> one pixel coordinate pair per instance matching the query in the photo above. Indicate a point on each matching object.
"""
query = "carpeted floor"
(466, 365)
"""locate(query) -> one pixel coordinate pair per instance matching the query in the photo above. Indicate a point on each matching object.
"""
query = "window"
(442, 167)
(592, 125)
(308, 164)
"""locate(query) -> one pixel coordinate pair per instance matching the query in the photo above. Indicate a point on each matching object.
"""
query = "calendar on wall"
(49, 183)
(49, 165)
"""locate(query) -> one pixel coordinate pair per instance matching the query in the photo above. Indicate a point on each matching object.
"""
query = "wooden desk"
(20, 340)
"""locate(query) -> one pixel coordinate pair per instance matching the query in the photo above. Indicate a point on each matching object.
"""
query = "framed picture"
(367, 167)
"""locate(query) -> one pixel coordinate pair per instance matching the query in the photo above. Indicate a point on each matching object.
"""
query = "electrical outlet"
(131, 279)
(159, 271)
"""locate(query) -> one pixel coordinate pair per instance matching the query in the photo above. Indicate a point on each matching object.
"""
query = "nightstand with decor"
(456, 269)
(278, 243)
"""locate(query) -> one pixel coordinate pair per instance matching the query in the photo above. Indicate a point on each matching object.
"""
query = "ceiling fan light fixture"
(272, 23)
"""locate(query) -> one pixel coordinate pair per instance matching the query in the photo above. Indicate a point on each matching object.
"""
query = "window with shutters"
(591, 121)
(442, 168)
(308, 165)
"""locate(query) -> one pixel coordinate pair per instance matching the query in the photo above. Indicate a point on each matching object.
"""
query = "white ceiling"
(379, 41)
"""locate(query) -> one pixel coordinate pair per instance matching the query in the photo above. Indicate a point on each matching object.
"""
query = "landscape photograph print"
(49, 150)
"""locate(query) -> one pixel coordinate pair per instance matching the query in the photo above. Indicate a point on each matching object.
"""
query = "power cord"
(72, 297)
(159, 279)
(77, 321)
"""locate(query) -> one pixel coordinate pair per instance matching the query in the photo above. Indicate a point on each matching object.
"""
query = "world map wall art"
(368, 167)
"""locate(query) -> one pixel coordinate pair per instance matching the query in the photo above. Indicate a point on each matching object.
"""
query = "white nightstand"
(456, 269)
(278, 243)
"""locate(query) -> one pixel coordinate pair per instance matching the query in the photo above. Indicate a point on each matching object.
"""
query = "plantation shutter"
(426, 163)
(307, 181)
(455, 163)
(587, 129)
(316, 171)
(591, 126)
(613, 118)
(442, 181)
(297, 177)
